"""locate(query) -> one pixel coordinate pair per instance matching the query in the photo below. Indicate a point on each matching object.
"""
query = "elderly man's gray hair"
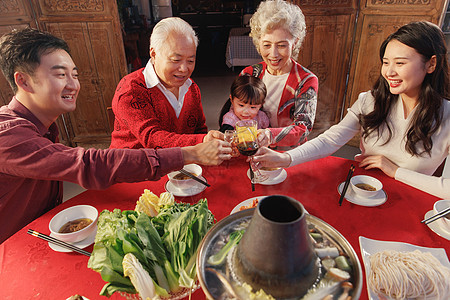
(167, 26)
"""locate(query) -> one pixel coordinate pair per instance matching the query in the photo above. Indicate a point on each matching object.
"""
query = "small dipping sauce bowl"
(71, 214)
(183, 181)
(365, 186)
(270, 172)
(439, 206)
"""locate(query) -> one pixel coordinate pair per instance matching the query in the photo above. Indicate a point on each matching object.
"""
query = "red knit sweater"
(144, 117)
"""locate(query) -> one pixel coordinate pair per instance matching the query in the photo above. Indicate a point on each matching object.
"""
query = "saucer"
(81, 244)
(352, 197)
(195, 189)
(271, 181)
(436, 228)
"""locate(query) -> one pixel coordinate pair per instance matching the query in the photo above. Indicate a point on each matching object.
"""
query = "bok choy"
(164, 245)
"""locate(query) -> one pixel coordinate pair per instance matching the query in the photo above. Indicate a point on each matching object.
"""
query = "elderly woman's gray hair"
(273, 14)
(168, 25)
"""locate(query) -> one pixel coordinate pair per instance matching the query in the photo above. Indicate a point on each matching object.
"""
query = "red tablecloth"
(29, 269)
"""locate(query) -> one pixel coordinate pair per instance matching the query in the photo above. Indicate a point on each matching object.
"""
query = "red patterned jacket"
(297, 108)
(144, 117)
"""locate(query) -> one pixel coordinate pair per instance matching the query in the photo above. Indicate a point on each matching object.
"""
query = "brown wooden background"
(93, 32)
(341, 47)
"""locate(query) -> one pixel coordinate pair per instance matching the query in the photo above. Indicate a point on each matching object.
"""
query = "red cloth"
(32, 166)
(144, 117)
(31, 269)
(297, 108)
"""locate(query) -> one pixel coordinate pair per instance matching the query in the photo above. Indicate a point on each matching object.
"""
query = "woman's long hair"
(248, 89)
(428, 40)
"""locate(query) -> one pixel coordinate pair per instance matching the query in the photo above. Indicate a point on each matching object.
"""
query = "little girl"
(247, 94)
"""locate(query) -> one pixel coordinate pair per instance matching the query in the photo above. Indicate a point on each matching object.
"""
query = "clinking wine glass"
(247, 136)
(231, 137)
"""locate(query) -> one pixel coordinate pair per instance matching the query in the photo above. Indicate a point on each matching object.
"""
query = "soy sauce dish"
(74, 224)
(365, 186)
(182, 181)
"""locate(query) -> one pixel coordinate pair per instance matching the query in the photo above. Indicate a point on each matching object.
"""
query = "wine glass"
(247, 136)
(230, 136)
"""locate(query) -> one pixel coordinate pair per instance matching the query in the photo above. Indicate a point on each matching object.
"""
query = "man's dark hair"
(21, 50)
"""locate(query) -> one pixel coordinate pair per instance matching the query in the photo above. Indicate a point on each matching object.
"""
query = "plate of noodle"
(396, 270)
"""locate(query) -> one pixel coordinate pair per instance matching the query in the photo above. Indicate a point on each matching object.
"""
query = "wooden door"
(13, 15)
(342, 43)
(326, 52)
(92, 30)
(378, 19)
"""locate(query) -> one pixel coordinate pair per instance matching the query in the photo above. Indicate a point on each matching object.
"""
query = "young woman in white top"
(404, 121)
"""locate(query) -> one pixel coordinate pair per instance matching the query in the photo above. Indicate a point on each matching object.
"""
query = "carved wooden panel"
(6, 91)
(411, 6)
(92, 30)
(378, 19)
(61, 7)
(326, 52)
(88, 118)
(367, 65)
(14, 14)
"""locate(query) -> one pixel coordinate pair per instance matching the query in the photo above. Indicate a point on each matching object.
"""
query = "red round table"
(29, 269)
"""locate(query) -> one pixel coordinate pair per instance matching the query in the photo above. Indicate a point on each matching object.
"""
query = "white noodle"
(402, 275)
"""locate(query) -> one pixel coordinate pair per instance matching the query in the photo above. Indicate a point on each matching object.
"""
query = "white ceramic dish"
(440, 206)
(271, 172)
(185, 183)
(245, 203)
(370, 246)
(82, 244)
(70, 214)
(437, 226)
(271, 181)
(364, 179)
(194, 189)
(350, 196)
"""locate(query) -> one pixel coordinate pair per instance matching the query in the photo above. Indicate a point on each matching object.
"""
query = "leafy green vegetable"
(219, 257)
(165, 246)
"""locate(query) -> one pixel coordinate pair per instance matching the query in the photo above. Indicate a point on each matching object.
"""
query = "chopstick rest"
(347, 181)
(436, 216)
(183, 171)
(57, 242)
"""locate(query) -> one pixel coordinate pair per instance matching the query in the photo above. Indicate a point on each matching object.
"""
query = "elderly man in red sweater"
(159, 106)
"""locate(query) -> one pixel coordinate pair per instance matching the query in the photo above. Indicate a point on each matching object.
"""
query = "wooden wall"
(341, 48)
(342, 43)
(92, 30)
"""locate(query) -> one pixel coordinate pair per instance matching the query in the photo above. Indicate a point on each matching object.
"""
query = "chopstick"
(436, 216)
(183, 171)
(57, 242)
(347, 181)
(252, 175)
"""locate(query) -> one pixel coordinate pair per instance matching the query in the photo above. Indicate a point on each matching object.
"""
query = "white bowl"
(71, 214)
(270, 172)
(439, 206)
(365, 179)
(185, 183)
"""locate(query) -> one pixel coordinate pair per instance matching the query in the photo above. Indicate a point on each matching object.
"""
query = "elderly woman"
(278, 29)
(159, 106)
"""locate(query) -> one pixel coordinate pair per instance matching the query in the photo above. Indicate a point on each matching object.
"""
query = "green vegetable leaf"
(219, 257)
